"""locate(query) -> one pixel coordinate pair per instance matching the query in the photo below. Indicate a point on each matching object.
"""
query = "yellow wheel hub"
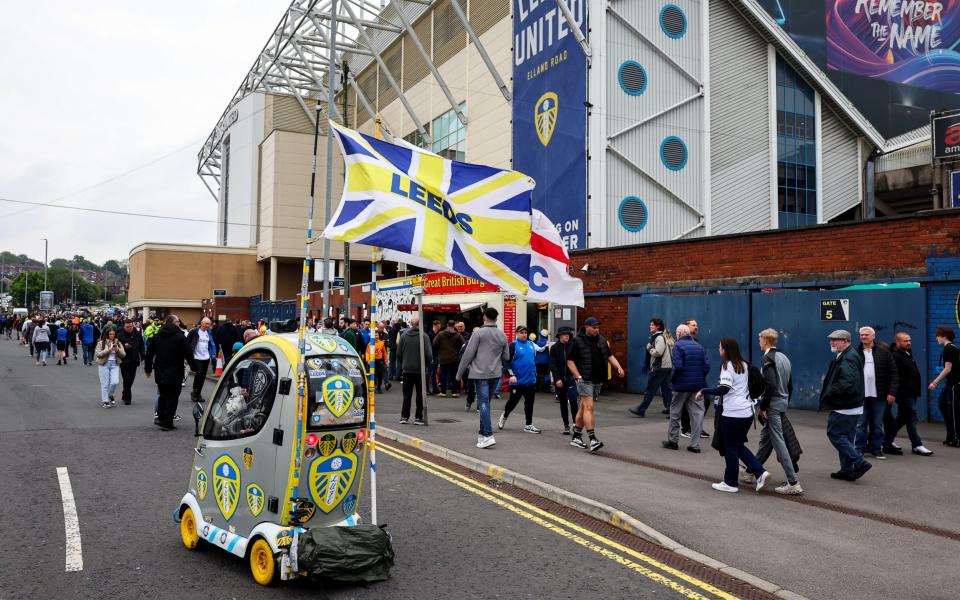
(188, 530)
(263, 567)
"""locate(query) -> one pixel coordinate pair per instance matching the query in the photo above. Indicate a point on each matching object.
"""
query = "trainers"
(704, 434)
(747, 478)
(788, 489)
(637, 413)
(112, 401)
(442, 395)
(670, 445)
(486, 441)
(154, 415)
(877, 455)
(685, 434)
(531, 429)
(922, 451)
(502, 421)
(105, 404)
(762, 480)
(403, 421)
(176, 417)
(454, 395)
(595, 445)
(566, 430)
(723, 487)
(894, 445)
(842, 476)
(418, 422)
(578, 442)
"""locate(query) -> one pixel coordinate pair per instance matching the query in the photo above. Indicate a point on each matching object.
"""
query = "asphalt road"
(127, 476)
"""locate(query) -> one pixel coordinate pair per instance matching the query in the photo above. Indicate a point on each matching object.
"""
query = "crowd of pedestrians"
(119, 347)
(870, 390)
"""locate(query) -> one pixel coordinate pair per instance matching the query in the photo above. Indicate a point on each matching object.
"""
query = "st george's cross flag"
(468, 219)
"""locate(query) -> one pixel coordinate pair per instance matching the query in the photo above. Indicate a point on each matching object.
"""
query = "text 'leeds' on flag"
(472, 220)
(550, 279)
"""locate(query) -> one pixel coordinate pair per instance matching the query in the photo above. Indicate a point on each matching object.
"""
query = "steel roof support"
(575, 30)
(366, 103)
(483, 51)
(433, 68)
(389, 76)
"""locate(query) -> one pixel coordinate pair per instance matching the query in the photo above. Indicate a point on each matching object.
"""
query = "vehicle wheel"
(188, 529)
(263, 565)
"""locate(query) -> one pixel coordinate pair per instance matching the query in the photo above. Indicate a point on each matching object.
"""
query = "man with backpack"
(659, 366)
(777, 385)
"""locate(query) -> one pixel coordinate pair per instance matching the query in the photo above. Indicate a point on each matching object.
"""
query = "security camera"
(585, 268)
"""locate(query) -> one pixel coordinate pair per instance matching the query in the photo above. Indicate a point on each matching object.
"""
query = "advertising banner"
(913, 42)
(549, 113)
(946, 137)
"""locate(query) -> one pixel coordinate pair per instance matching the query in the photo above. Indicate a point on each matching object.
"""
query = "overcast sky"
(116, 97)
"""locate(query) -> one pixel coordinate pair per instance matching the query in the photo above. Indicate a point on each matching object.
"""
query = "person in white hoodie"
(41, 341)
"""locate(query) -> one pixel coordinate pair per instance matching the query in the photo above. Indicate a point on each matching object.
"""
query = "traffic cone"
(219, 370)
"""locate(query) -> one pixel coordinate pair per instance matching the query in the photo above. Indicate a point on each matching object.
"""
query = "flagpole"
(302, 335)
(371, 369)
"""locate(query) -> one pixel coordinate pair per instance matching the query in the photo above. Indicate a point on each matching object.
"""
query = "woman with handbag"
(736, 415)
(108, 355)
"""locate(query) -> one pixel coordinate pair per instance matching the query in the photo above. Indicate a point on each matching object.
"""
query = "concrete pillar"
(274, 264)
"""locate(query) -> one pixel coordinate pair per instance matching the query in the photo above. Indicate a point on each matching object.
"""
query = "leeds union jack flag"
(470, 219)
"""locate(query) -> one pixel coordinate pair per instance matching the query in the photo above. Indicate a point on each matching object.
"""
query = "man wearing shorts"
(587, 361)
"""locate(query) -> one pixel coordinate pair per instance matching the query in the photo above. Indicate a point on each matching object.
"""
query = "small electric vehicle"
(243, 495)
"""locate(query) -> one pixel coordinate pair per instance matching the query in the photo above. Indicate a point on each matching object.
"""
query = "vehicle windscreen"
(337, 392)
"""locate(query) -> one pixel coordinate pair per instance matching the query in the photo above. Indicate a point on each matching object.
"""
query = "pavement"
(888, 535)
(452, 540)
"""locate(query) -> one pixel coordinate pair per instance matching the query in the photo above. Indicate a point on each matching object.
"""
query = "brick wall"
(876, 249)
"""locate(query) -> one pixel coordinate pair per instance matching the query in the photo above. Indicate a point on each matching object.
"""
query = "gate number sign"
(835, 310)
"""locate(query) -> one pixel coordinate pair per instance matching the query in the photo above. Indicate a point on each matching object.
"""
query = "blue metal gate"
(797, 316)
(718, 315)
(803, 335)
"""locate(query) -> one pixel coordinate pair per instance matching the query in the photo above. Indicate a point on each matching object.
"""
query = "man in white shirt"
(880, 384)
(203, 350)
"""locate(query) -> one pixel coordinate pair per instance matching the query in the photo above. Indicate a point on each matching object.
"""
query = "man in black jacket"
(880, 383)
(166, 354)
(587, 361)
(906, 396)
(563, 382)
(226, 336)
(842, 394)
(133, 346)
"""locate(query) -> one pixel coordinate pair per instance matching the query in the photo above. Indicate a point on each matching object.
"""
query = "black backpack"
(756, 384)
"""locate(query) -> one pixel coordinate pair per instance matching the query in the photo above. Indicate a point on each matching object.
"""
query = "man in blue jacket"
(522, 369)
(87, 340)
(690, 368)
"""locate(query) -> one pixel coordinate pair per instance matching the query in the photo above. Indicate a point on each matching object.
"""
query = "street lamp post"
(46, 245)
(73, 290)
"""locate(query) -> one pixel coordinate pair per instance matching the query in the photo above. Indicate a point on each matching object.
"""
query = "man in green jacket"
(842, 394)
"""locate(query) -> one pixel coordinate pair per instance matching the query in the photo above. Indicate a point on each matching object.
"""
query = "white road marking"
(70, 522)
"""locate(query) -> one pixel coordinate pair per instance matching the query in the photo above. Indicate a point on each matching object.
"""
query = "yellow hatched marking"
(478, 489)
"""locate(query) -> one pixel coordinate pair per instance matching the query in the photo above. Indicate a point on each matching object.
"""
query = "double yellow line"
(638, 562)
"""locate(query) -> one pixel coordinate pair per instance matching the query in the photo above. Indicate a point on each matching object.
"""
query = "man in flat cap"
(842, 394)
